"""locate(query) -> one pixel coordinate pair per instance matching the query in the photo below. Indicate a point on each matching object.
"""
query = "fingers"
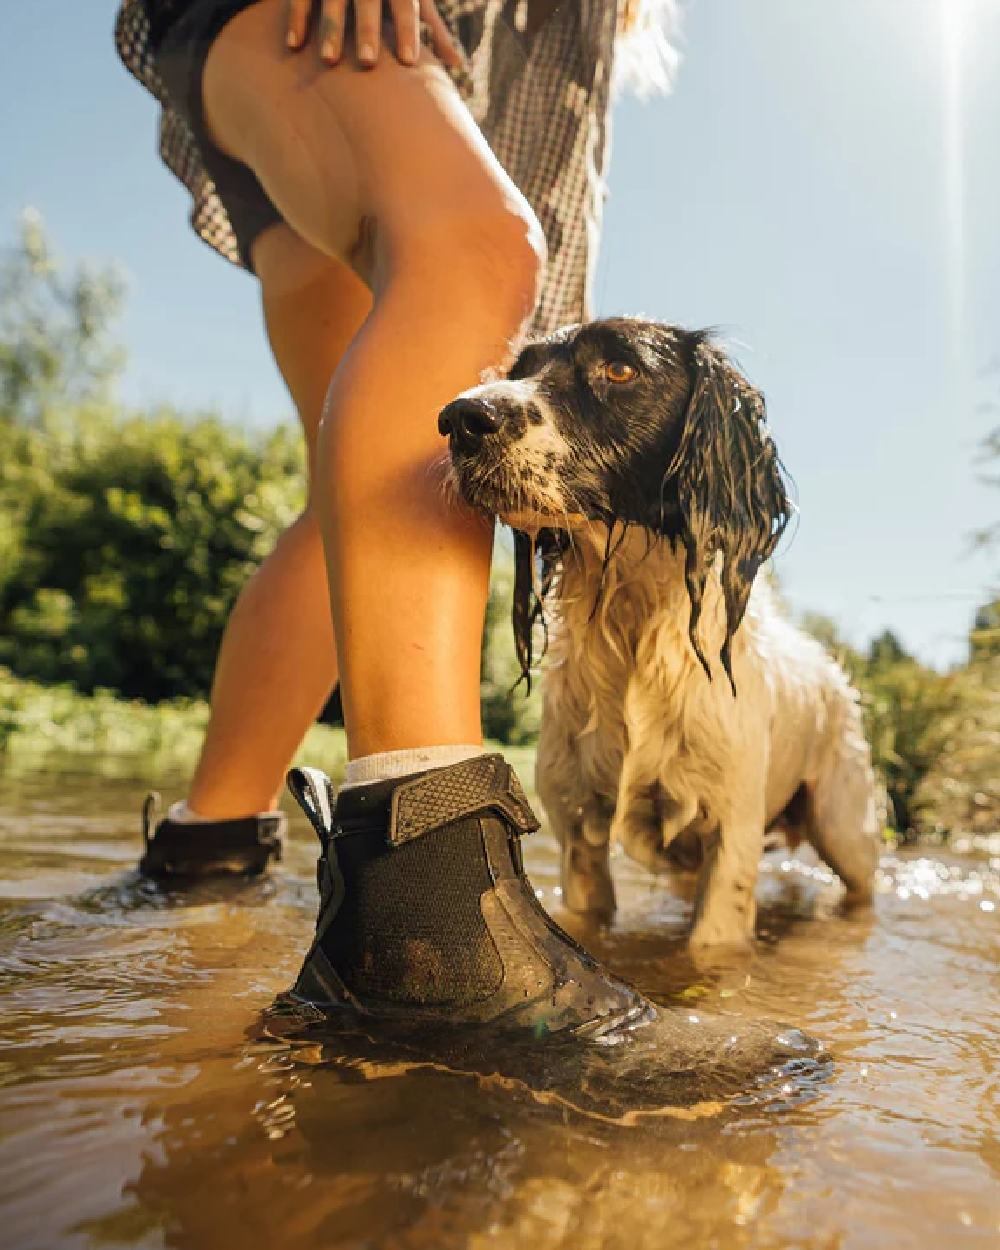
(628, 15)
(297, 23)
(406, 20)
(331, 30)
(406, 15)
(447, 50)
(367, 29)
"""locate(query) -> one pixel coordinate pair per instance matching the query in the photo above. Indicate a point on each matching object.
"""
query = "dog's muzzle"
(466, 422)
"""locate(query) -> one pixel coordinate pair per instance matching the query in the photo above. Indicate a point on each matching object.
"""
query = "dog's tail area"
(846, 804)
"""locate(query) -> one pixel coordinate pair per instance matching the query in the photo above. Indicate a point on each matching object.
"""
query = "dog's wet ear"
(537, 560)
(526, 607)
(731, 495)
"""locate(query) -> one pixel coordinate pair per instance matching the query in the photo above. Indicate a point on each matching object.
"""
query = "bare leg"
(277, 663)
(456, 262)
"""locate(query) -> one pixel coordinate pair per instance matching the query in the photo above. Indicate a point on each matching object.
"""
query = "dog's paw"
(858, 895)
(730, 934)
(720, 959)
(587, 886)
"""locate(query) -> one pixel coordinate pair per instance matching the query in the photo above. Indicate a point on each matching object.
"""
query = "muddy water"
(138, 1111)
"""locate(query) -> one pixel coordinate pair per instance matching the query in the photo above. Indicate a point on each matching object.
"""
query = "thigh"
(336, 146)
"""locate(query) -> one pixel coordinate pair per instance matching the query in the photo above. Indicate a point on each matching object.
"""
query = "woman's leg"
(440, 922)
(277, 663)
(456, 261)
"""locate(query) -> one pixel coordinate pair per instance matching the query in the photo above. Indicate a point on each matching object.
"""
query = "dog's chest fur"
(632, 722)
(594, 678)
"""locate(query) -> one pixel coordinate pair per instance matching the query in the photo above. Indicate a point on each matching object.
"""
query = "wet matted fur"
(684, 716)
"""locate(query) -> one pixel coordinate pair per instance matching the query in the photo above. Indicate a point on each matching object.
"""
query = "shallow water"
(139, 1108)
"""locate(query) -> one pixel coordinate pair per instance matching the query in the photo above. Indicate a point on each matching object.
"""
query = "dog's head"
(629, 421)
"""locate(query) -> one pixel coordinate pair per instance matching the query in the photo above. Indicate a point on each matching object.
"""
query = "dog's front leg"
(725, 906)
(586, 873)
(580, 821)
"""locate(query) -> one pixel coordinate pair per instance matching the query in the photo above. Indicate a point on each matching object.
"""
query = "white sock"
(388, 765)
(181, 814)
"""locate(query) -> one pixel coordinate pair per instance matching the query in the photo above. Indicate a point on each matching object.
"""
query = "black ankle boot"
(176, 851)
(426, 914)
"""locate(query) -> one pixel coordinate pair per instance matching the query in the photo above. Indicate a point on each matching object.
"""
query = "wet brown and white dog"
(680, 706)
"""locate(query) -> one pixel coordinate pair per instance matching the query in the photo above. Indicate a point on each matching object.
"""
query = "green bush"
(510, 713)
(907, 708)
(129, 540)
(908, 719)
(56, 726)
(126, 540)
(960, 790)
(58, 342)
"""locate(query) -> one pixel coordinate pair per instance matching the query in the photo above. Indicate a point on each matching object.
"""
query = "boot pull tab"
(150, 810)
(313, 792)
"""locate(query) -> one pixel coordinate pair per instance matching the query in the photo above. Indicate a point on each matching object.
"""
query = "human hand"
(406, 16)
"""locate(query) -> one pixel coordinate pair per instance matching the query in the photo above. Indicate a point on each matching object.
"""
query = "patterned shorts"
(540, 95)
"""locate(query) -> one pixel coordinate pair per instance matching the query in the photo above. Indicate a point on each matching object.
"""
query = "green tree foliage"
(58, 349)
(961, 789)
(128, 538)
(908, 712)
(984, 641)
(510, 714)
(907, 709)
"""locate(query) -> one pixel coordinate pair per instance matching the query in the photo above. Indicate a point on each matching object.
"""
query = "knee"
(503, 256)
(304, 531)
(489, 263)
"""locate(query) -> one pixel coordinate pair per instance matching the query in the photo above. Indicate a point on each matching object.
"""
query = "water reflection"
(136, 1112)
(342, 1155)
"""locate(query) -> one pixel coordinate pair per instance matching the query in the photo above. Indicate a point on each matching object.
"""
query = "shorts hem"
(180, 62)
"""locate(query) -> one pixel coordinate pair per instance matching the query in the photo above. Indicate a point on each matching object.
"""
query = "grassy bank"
(51, 726)
(40, 723)
(955, 741)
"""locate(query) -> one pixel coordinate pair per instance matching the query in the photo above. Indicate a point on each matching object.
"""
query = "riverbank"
(942, 749)
(42, 725)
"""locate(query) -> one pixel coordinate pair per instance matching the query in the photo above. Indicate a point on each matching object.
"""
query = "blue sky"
(820, 185)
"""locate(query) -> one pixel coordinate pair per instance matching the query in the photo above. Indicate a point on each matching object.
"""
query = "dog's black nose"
(467, 422)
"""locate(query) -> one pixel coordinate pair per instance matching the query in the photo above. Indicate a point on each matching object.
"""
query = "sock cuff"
(388, 765)
(181, 814)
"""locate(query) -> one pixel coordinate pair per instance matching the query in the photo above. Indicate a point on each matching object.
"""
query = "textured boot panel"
(424, 802)
(410, 927)
(431, 800)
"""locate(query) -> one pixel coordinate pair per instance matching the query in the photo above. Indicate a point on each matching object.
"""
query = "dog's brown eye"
(618, 371)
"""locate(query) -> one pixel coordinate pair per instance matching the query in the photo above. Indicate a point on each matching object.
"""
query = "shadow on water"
(142, 1105)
